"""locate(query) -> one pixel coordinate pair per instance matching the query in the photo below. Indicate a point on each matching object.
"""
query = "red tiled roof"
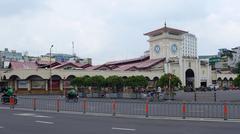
(150, 63)
(163, 30)
(140, 65)
(122, 62)
(123, 68)
(116, 64)
(43, 64)
(90, 68)
(22, 65)
(104, 67)
(77, 65)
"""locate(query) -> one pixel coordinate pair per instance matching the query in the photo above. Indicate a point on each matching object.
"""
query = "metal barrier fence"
(141, 108)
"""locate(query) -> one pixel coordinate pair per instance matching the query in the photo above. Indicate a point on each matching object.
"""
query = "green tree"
(97, 81)
(115, 82)
(236, 81)
(142, 81)
(81, 83)
(163, 82)
(136, 82)
(169, 82)
(238, 68)
(77, 82)
(86, 81)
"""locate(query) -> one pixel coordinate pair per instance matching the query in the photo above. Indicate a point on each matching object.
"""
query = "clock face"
(174, 48)
(157, 48)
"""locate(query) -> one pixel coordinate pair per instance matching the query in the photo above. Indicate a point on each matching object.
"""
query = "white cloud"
(113, 29)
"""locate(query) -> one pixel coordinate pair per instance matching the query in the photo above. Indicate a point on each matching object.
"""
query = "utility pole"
(73, 53)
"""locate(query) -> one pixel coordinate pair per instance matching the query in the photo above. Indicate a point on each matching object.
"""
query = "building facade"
(232, 62)
(170, 51)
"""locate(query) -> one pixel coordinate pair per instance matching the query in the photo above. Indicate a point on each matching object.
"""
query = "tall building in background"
(7, 56)
(60, 57)
(232, 62)
(189, 45)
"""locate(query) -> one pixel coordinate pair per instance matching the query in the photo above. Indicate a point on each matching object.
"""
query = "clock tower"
(179, 48)
(166, 43)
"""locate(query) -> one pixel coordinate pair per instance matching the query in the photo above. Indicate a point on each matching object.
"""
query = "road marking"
(32, 115)
(26, 114)
(44, 122)
(42, 116)
(123, 129)
(1, 127)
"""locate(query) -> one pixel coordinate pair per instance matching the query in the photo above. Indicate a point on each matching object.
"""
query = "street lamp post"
(169, 79)
(50, 69)
(169, 86)
(64, 90)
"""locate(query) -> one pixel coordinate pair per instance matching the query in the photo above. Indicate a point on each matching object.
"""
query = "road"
(22, 122)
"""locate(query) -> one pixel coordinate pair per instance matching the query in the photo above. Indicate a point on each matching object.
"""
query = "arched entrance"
(37, 84)
(189, 78)
(13, 82)
(67, 82)
(55, 83)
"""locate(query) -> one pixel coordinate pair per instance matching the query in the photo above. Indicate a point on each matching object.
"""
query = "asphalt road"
(22, 122)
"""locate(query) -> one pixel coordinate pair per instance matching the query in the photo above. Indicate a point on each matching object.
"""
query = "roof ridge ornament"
(165, 24)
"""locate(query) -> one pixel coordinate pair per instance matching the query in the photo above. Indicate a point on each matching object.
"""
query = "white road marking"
(123, 129)
(44, 122)
(33, 115)
(26, 114)
(1, 127)
(42, 116)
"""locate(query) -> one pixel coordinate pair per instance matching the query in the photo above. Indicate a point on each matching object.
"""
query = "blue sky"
(108, 30)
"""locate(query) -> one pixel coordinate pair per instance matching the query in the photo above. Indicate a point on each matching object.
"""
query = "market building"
(170, 51)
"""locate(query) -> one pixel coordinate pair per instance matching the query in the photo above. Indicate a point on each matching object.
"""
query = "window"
(189, 64)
